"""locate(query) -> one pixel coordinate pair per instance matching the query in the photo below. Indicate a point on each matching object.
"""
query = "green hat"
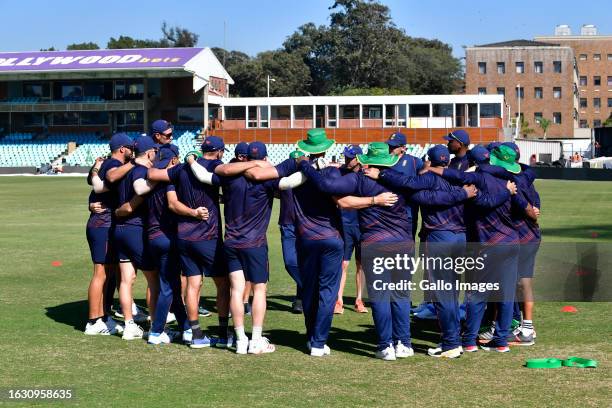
(316, 142)
(295, 154)
(378, 155)
(505, 156)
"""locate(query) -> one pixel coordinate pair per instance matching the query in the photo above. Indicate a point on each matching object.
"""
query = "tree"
(544, 124)
(291, 75)
(48, 49)
(172, 37)
(525, 129)
(129, 42)
(178, 36)
(608, 122)
(83, 46)
(362, 48)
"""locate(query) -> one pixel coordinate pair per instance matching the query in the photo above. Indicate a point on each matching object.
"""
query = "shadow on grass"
(71, 314)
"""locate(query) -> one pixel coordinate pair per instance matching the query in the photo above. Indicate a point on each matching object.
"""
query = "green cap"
(316, 142)
(378, 155)
(505, 156)
(295, 154)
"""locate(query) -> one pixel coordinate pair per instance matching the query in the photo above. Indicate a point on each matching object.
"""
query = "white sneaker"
(132, 331)
(187, 336)
(161, 338)
(99, 328)
(261, 346)
(452, 353)
(402, 351)
(242, 346)
(113, 325)
(326, 349)
(170, 318)
(387, 354)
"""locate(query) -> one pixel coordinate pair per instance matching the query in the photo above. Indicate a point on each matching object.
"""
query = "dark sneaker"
(247, 309)
(296, 306)
(203, 312)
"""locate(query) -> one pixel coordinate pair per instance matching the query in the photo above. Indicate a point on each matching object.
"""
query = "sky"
(254, 26)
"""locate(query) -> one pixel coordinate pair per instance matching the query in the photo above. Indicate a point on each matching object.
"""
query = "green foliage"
(83, 46)
(608, 122)
(49, 49)
(525, 129)
(172, 37)
(366, 91)
(360, 52)
(544, 124)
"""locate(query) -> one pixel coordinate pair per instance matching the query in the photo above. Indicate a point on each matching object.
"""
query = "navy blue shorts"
(351, 236)
(132, 245)
(527, 256)
(202, 258)
(252, 261)
(100, 246)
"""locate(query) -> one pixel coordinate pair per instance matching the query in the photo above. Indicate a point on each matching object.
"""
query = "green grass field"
(43, 310)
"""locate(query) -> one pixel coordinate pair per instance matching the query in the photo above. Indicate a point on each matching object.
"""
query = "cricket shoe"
(158, 338)
(517, 338)
(223, 342)
(318, 352)
(492, 346)
(452, 353)
(486, 334)
(402, 351)
(470, 349)
(200, 343)
(99, 328)
(204, 312)
(296, 306)
(132, 331)
(113, 325)
(242, 346)
(360, 307)
(387, 354)
(261, 346)
(338, 308)
(187, 336)
(247, 309)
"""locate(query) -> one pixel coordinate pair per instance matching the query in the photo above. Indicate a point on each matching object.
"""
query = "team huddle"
(151, 212)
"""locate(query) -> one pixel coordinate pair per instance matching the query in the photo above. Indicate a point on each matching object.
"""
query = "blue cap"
(514, 147)
(479, 154)
(213, 144)
(257, 150)
(396, 139)
(459, 135)
(144, 143)
(351, 151)
(492, 146)
(166, 153)
(439, 155)
(242, 148)
(160, 126)
(120, 139)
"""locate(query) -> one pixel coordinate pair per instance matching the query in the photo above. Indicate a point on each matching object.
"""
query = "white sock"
(240, 334)
(131, 321)
(134, 308)
(257, 332)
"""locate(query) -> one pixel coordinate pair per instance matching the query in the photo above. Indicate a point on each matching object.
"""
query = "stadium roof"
(518, 43)
(200, 63)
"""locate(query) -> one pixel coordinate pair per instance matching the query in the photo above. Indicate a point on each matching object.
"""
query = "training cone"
(56, 263)
(569, 309)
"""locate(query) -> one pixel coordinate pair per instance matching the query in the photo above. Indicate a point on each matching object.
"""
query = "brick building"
(593, 55)
(565, 78)
(543, 75)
